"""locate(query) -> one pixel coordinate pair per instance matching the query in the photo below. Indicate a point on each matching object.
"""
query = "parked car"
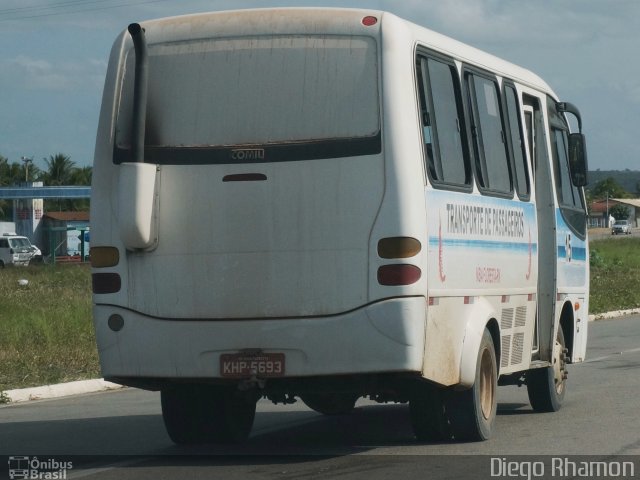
(36, 254)
(621, 226)
(15, 250)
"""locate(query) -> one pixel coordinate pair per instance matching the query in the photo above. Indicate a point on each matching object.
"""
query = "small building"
(599, 209)
(66, 233)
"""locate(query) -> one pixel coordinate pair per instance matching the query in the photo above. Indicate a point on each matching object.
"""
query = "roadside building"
(599, 211)
(66, 233)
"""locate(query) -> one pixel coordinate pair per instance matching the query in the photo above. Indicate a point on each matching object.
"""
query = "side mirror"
(578, 159)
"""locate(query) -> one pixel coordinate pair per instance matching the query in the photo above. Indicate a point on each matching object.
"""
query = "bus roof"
(310, 20)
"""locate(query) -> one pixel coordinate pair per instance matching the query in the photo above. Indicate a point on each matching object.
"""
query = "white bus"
(332, 204)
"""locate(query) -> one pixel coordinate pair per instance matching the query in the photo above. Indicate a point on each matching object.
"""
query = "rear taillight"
(400, 274)
(106, 283)
(398, 248)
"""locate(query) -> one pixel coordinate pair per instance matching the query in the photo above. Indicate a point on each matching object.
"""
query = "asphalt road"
(125, 432)
(604, 233)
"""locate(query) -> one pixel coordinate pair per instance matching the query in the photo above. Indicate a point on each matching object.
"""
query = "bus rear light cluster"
(398, 247)
(104, 257)
(400, 274)
(106, 283)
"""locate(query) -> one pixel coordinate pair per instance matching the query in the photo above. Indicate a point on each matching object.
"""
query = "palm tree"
(81, 176)
(59, 170)
(13, 174)
(4, 170)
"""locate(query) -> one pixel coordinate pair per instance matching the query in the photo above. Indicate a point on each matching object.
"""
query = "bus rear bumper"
(384, 337)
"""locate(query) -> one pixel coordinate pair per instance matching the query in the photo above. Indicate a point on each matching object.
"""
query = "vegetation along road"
(46, 334)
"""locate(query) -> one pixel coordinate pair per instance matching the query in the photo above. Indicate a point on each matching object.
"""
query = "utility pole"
(26, 162)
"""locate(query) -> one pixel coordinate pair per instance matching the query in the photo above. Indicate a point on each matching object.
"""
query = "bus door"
(545, 209)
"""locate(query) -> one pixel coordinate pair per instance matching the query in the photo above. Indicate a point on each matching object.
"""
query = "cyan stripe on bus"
(519, 247)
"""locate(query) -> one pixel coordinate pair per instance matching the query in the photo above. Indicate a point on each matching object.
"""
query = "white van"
(15, 250)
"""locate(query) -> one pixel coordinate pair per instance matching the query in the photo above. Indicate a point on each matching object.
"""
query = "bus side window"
(528, 120)
(425, 119)
(442, 122)
(517, 143)
(568, 194)
(490, 146)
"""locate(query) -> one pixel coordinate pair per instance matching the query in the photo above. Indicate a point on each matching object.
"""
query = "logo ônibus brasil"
(24, 467)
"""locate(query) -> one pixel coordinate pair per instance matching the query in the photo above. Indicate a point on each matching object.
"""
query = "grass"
(46, 332)
(615, 274)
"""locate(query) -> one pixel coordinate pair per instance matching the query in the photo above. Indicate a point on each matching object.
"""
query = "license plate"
(242, 365)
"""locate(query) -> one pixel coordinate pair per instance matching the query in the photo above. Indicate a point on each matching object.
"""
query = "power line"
(70, 3)
(4, 11)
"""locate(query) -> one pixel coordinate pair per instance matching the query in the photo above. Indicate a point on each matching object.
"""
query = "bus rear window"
(260, 90)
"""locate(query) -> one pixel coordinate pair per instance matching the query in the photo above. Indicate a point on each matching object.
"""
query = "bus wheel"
(472, 413)
(427, 413)
(330, 403)
(546, 386)
(207, 414)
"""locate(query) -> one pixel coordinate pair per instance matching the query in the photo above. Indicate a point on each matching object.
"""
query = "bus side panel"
(479, 242)
(104, 181)
(402, 213)
(573, 284)
(483, 266)
(454, 330)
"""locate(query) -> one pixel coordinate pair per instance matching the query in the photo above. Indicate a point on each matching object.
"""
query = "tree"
(59, 170)
(81, 176)
(4, 168)
(619, 212)
(13, 173)
(609, 188)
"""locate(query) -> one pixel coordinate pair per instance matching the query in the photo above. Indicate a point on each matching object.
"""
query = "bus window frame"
(475, 129)
(528, 167)
(223, 154)
(558, 122)
(423, 93)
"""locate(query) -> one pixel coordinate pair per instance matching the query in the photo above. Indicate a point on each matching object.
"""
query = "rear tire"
(472, 413)
(207, 414)
(330, 403)
(547, 386)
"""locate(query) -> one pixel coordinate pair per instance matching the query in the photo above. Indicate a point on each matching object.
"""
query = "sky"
(53, 59)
